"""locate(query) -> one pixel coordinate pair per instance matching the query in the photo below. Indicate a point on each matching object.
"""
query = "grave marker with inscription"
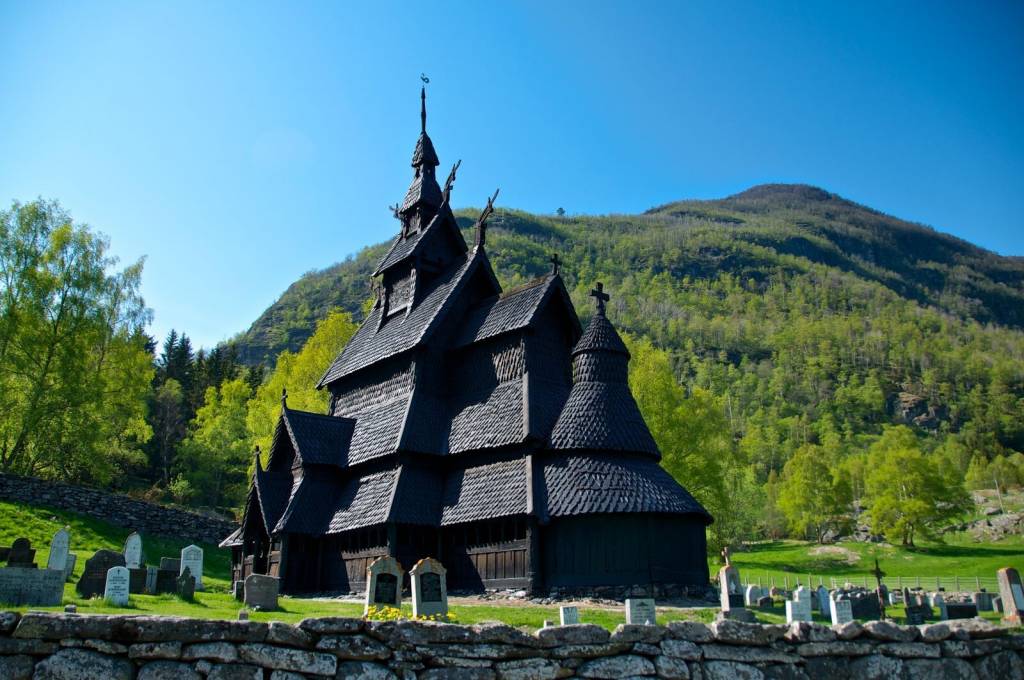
(429, 588)
(94, 578)
(31, 587)
(261, 591)
(133, 550)
(799, 608)
(641, 610)
(59, 546)
(192, 559)
(383, 584)
(841, 611)
(568, 616)
(115, 590)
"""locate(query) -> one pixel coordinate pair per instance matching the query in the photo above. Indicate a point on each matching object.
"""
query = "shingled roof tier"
(318, 439)
(510, 311)
(485, 492)
(600, 335)
(576, 484)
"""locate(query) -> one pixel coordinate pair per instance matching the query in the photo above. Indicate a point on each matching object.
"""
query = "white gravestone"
(939, 602)
(751, 596)
(842, 611)
(116, 589)
(799, 608)
(641, 610)
(192, 557)
(133, 550)
(383, 584)
(568, 615)
(59, 546)
(429, 588)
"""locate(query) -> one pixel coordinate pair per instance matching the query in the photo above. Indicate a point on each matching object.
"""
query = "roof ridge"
(529, 285)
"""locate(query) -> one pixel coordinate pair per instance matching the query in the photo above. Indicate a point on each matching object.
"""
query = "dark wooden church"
(479, 426)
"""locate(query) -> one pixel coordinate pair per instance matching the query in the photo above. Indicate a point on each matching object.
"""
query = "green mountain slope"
(810, 315)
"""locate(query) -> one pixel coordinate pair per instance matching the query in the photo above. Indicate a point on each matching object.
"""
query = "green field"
(777, 559)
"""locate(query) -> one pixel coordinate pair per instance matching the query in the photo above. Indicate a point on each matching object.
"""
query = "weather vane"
(424, 78)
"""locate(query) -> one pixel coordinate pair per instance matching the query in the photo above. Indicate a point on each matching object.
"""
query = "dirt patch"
(835, 552)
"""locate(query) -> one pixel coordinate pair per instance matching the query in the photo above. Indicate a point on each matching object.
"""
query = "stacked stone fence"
(50, 646)
(122, 511)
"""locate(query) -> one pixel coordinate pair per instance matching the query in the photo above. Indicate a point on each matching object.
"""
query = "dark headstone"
(21, 554)
(137, 580)
(170, 564)
(865, 605)
(765, 602)
(915, 615)
(186, 585)
(261, 591)
(238, 590)
(166, 581)
(961, 610)
(94, 578)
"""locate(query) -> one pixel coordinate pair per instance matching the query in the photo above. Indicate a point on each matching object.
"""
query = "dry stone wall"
(50, 646)
(146, 518)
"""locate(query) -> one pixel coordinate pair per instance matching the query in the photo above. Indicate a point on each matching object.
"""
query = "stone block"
(283, 658)
(68, 664)
(168, 670)
(616, 667)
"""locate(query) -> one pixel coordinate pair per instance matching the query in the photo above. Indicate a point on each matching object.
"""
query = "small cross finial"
(284, 396)
(556, 264)
(601, 297)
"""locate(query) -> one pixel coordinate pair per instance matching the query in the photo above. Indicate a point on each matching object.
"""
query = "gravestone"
(151, 573)
(31, 587)
(186, 585)
(21, 555)
(983, 601)
(751, 596)
(730, 590)
(568, 616)
(261, 591)
(171, 564)
(765, 602)
(997, 604)
(799, 608)
(383, 584)
(939, 602)
(238, 590)
(840, 611)
(69, 567)
(429, 588)
(823, 601)
(641, 610)
(133, 550)
(192, 559)
(1011, 594)
(115, 590)
(865, 605)
(960, 610)
(137, 579)
(94, 578)
(166, 581)
(59, 546)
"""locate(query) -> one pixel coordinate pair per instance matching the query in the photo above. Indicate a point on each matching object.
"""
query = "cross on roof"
(601, 297)
(556, 264)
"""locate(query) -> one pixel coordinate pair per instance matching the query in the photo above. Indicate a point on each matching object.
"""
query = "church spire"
(423, 110)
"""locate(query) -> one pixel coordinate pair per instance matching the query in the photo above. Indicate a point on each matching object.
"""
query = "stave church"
(482, 427)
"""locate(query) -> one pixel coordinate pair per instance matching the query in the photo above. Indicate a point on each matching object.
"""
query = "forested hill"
(803, 310)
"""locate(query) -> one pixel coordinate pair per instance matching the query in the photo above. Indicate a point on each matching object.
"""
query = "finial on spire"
(256, 456)
(601, 297)
(556, 264)
(481, 222)
(284, 397)
(423, 102)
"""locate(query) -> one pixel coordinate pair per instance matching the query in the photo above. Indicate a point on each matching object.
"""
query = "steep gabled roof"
(318, 439)
(374, 341)
(495, 420)
(511, 311)
(577, 484)
(407, 245)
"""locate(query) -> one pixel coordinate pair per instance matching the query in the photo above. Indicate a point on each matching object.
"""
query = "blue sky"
(237, 145)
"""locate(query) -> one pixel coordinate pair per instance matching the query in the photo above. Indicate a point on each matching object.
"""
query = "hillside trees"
(909, 494)
(74, 365)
